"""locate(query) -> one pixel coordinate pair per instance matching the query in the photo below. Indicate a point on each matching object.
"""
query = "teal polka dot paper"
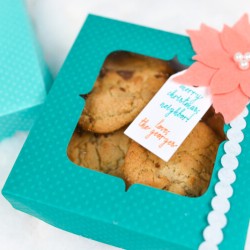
(46, 184)
(24, 78)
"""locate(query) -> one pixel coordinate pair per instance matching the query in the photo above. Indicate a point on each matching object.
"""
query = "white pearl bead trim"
(217, 220)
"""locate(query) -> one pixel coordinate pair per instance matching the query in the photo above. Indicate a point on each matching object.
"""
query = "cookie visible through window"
(126, 83)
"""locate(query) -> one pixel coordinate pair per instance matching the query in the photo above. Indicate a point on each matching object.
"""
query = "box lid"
(22, 82)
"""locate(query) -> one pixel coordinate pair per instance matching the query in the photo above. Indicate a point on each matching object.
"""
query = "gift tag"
(169, 117)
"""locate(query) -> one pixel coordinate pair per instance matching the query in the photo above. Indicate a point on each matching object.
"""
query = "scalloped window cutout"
(126, 83)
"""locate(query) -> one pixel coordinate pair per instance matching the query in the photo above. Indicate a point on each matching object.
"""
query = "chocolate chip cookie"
(125, 85)
(100, 152)
(187, 173)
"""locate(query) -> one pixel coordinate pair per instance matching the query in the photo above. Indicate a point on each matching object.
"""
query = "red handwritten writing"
(159, 131)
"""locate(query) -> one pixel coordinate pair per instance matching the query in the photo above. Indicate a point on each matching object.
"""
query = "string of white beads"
(213, 234)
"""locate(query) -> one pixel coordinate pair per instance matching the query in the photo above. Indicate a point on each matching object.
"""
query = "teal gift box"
(24, 76)
(46, 184)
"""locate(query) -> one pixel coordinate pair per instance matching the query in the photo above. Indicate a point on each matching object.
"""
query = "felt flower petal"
(214, 59)
(242, 27)
(245, 82)
(203, 38)
(230, 105)
(216, 68)
(233, 42)
(197, 74)
(224, 80)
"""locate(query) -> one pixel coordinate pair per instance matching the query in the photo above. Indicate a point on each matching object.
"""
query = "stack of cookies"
(125, 85)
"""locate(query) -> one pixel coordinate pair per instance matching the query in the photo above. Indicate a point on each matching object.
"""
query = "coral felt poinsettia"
(223, 65)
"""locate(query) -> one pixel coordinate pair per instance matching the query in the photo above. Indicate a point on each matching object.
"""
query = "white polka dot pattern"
(24, 77)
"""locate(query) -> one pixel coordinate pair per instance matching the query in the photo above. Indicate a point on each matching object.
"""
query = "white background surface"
(57, 23)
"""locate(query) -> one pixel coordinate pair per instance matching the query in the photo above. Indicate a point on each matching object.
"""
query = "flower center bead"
(242, 60)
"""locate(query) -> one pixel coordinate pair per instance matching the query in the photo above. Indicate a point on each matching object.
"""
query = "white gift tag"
(169, 117)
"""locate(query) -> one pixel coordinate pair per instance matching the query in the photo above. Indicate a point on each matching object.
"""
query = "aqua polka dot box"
(24, 76)
(133, 209)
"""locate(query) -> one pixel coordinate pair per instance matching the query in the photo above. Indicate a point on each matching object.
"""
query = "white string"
(213, 234)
